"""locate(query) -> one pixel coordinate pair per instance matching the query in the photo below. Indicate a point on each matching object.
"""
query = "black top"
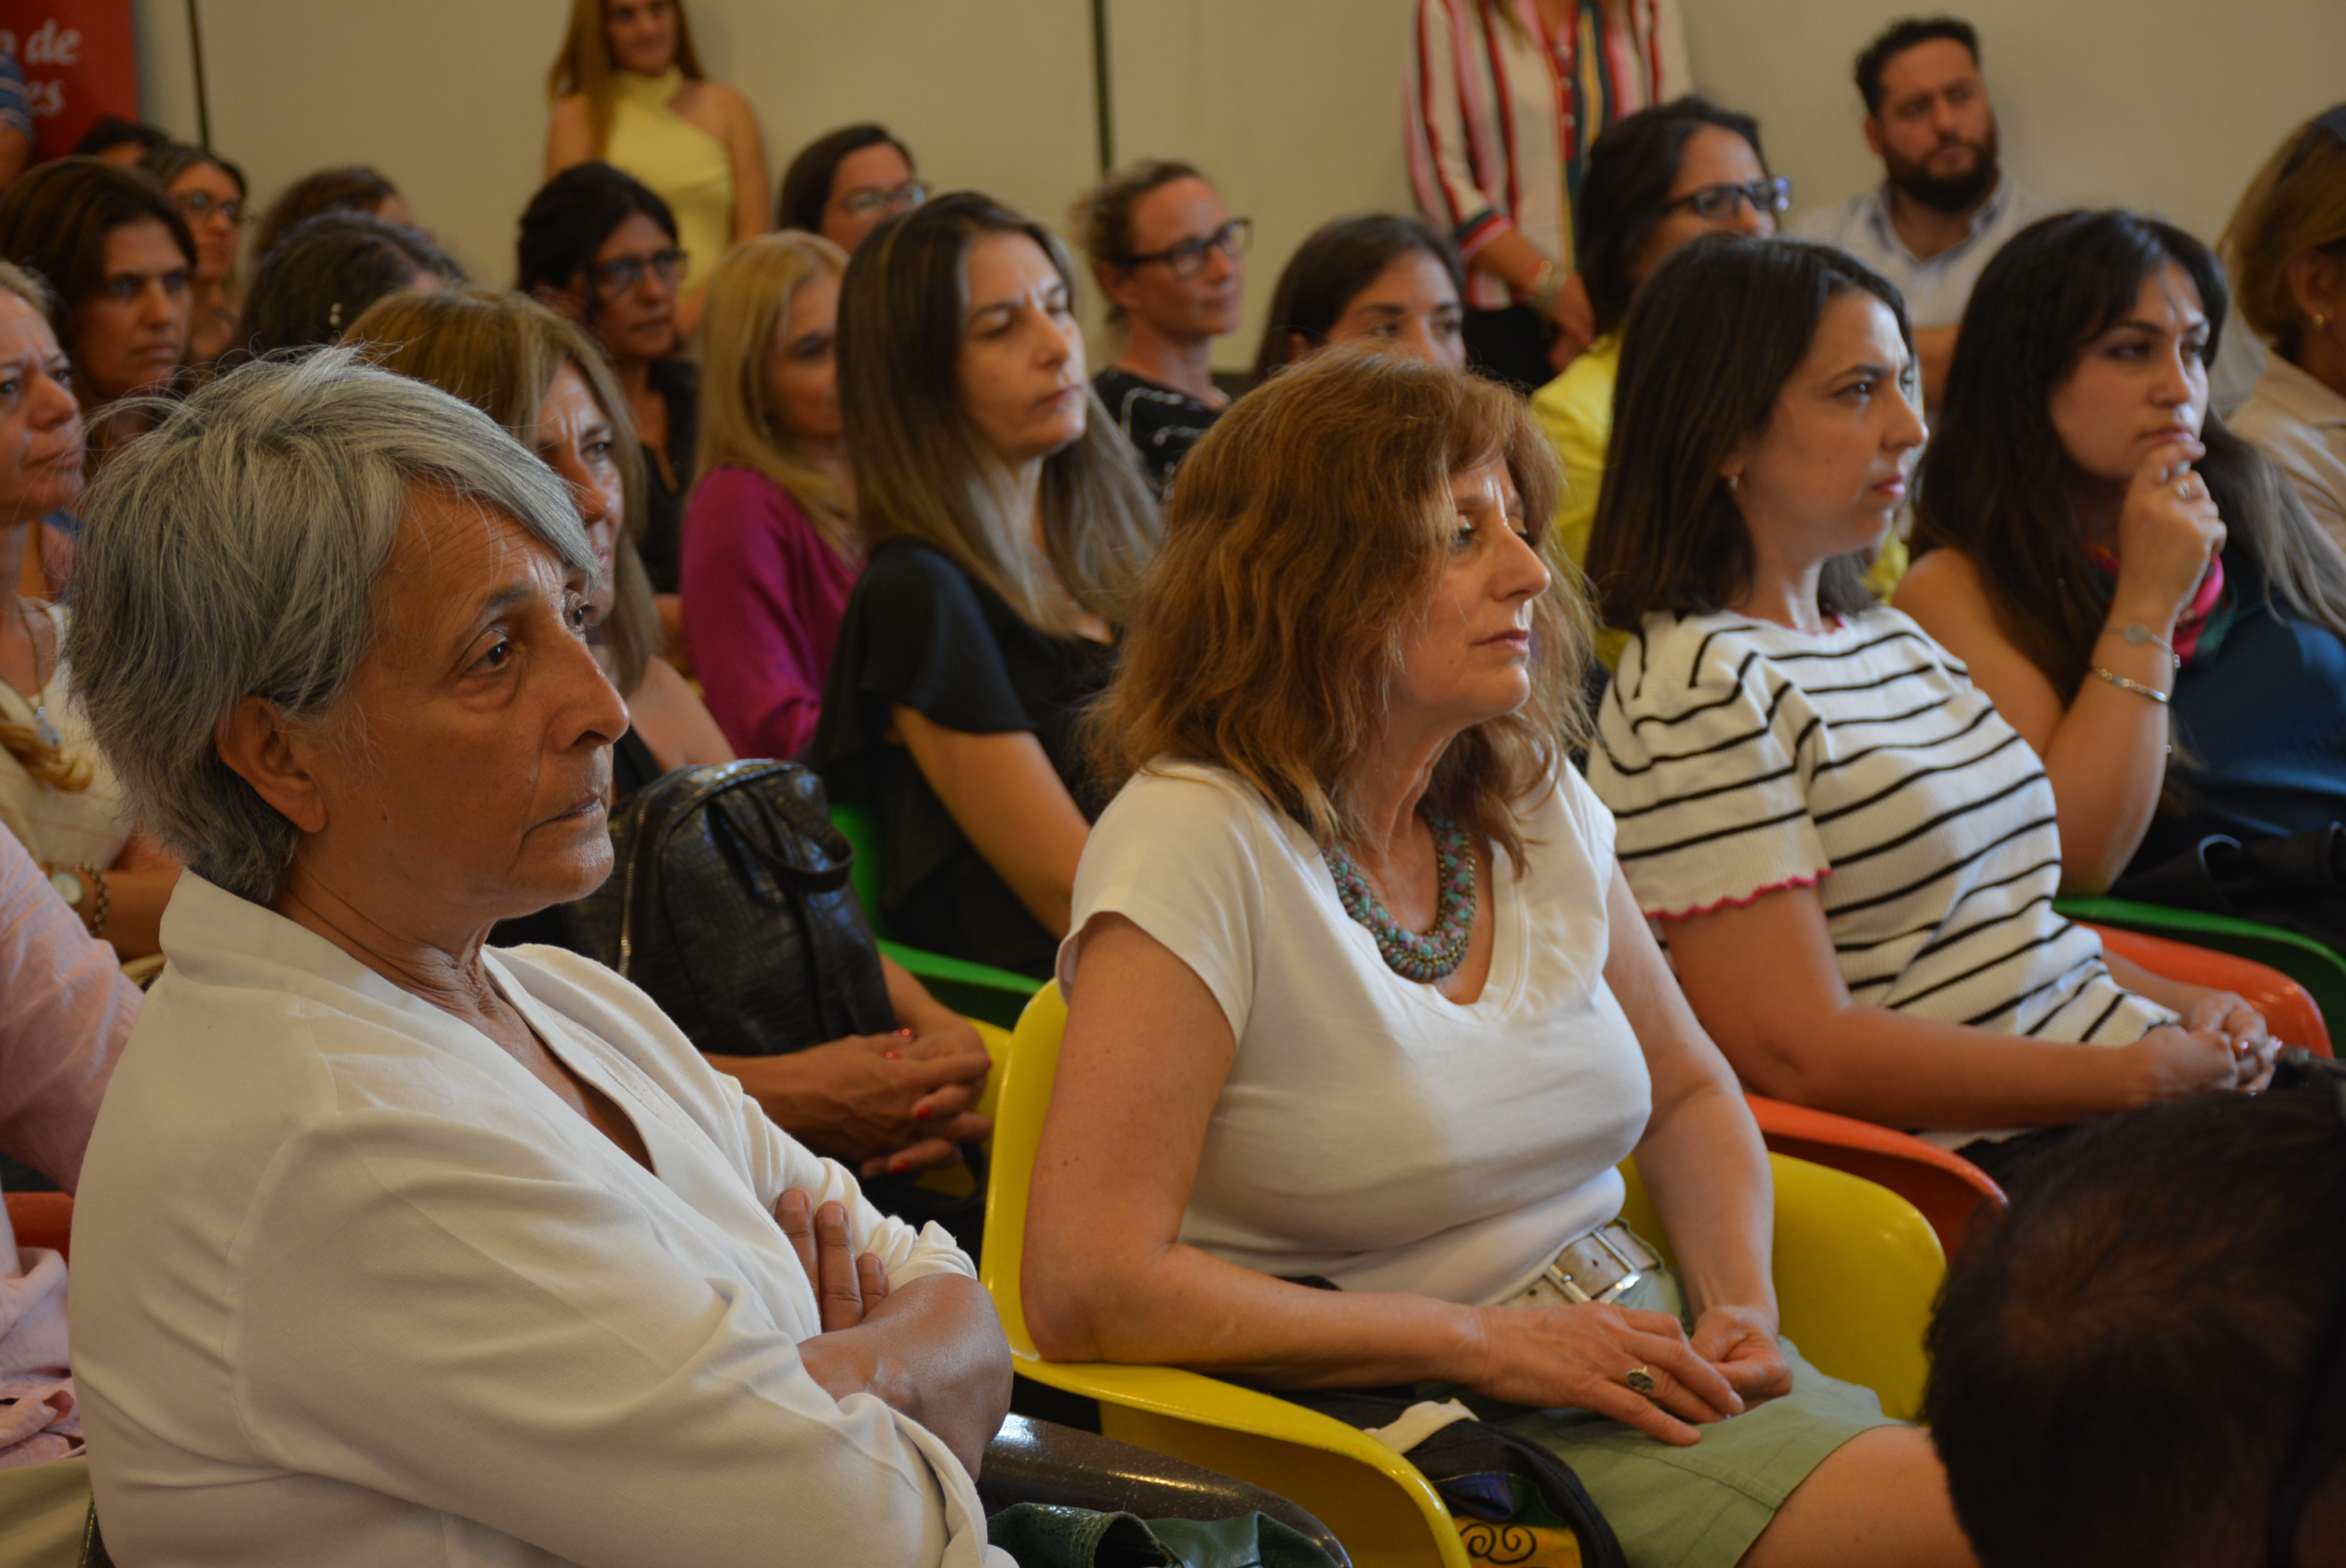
(1161, 424)
(632, 768)
(922, 633)
(666, 485)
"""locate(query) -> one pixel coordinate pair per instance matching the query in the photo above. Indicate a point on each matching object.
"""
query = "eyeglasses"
(1188, 259)
(903, 198)
(199, 204)
(1717, 203)
(2320, 1433)
(622, 273)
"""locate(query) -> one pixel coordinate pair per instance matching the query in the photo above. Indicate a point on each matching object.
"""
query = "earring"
(1734, 483)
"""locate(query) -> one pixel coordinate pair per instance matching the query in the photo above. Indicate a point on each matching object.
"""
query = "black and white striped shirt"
(1740, 757)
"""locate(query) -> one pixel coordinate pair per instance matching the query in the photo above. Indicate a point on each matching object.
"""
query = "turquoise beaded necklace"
(1437, 954)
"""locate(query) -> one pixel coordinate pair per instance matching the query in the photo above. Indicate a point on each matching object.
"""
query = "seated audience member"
(69, 1011)
(2140, 1363)
(1852, 855)
(1373, 278)
(2120, 572)
(842, 186)
(326, 273)
(770, 550)
(58, 799)
(387, 1237)
(1005, 523)
(120, 141)
(540, 378)
(119, 259)
(1944, 205)
(599, 248)
(1370, 741)
(1170, 260)
(2287, 245)
(345, 188)
(1656, 179)
(208, 191)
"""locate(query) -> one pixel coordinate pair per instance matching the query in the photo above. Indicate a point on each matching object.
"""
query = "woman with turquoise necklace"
(627, 91)
(1357, 994)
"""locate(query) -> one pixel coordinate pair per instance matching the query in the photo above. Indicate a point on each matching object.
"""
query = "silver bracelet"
(2138, 634)
(2151, 692)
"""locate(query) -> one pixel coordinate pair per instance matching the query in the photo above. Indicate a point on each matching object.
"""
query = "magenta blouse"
(762, 599)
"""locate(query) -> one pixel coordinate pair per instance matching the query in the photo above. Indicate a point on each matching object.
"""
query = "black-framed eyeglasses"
(2317, 1439)
(622, 273)
(1717, 203)
(896, 199)
(1188, 259)
(199, 204)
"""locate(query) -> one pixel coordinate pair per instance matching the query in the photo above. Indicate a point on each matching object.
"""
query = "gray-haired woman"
(386, 1239)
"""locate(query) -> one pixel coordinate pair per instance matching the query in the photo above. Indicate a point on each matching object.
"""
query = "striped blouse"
(1500, 116)
(1740, 757)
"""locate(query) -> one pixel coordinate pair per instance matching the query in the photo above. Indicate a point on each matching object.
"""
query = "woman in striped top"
(1852, 858)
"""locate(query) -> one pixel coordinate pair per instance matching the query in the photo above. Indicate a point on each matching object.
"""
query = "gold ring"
(1640, 1381)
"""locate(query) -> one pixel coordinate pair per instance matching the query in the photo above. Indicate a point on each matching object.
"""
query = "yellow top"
(690, 168)
(1575, 411)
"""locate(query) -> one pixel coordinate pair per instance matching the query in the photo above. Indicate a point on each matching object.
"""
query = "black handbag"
(730, 903)
(2297, 882)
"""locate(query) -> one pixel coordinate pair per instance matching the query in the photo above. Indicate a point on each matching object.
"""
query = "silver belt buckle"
(1632, 1271)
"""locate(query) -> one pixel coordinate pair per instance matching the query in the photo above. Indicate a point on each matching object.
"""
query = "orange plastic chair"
(2289, 1009)
(42, 1219)
(1952, 1193)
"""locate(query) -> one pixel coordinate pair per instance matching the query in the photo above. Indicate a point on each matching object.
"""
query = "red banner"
(80, 60)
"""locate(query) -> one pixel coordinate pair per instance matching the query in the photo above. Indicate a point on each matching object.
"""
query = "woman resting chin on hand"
(1430, 1122)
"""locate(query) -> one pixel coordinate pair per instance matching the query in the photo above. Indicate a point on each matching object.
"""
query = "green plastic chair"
(973, 990)
(2312, 964)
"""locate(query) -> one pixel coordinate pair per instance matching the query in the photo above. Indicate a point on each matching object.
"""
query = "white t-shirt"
(1743, 756)
(352, 1288)
(1371, 1131)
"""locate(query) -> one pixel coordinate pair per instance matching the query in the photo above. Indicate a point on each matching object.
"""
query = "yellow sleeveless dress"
(687, 166)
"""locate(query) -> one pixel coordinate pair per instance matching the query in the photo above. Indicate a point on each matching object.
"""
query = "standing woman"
(1171, 261)
(1006, 524)
(1506, 99)
(208, 191)
(770, 545)
(57, 793)
(627, 91)
(600, 248)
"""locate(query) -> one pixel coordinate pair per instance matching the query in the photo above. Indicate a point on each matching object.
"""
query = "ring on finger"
(1640, 1380)
(2183, 488)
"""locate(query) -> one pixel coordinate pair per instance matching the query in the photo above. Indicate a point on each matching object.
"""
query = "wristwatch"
(69, 885)
(75, 883)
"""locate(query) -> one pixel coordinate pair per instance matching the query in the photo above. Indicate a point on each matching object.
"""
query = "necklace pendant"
(48, 732)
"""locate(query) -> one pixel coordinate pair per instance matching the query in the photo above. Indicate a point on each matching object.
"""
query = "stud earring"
(1734, 483)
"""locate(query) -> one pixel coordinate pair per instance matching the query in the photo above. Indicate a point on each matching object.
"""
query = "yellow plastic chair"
(1857, 1268)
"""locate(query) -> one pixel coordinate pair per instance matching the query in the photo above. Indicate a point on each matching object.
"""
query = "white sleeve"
(1440, 171)
(455, 1316)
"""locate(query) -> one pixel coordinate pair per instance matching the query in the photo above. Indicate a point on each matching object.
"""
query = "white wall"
(1294, 105)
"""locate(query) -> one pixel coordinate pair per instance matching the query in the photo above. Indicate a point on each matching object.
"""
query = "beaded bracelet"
(2151, 692)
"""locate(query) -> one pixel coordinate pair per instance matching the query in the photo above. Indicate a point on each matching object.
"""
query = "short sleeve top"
(1372, 1132)
(922, 633)
(1741, 757)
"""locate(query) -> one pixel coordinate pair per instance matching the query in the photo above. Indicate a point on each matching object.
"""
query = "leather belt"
(1601, 1266)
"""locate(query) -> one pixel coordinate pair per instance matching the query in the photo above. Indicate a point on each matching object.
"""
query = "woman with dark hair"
(842, 186)
(1852, 857)
(118, 254)
(322, 276)
(600, 247)
(1375, 278)
(1345, 715)
(1005, 523)
(208, 191)
(345, 188)
(2121, 572)
(1170, 260)
(628, 91)
(1656, 179)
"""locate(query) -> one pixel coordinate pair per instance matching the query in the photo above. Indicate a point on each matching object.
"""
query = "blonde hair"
(46, 763)
(1303, 539)
(583, 66)
(747, 305)
(500, 352)
(2296, 203)
(922, 470)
